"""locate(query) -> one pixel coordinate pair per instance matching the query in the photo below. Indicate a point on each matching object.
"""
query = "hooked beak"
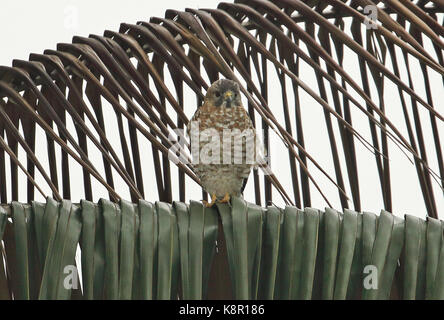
(228, 96)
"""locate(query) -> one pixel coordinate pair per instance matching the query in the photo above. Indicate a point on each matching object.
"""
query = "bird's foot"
(210, 204)
(225, 199)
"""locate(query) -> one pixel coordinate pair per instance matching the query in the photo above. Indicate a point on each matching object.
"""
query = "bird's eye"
(217, 94)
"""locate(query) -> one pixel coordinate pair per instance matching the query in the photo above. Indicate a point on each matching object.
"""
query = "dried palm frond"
(134, 85)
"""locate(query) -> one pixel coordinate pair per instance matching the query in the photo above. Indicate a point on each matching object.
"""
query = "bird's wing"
(193, 118)
(260, 160)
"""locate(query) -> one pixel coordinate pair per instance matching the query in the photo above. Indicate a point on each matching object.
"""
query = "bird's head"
(223, 93)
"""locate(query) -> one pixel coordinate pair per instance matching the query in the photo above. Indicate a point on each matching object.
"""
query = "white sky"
(27, 27)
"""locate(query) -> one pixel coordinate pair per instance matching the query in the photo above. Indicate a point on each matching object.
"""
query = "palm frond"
(113, 97)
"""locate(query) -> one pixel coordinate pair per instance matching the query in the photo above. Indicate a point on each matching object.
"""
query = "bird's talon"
(226, 198)
(210, 204)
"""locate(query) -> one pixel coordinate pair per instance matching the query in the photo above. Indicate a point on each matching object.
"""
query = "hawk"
(223, 142)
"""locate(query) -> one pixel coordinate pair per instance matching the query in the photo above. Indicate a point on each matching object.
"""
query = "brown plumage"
(222, 110)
